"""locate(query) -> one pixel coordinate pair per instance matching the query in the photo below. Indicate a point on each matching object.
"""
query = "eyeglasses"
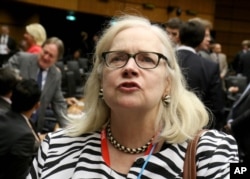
(145, 60)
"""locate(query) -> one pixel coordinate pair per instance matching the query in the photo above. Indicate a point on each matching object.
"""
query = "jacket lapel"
(49, 80)
(33, 69)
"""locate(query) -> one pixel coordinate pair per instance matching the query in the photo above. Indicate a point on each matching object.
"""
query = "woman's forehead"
(136, 37)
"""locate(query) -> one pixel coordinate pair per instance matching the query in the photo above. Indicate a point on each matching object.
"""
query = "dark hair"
(192, 33)
(58, 42)
(25, 95)
(8, 80)
(173, 23)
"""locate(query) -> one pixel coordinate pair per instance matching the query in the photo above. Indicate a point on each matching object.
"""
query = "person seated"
(18, 140)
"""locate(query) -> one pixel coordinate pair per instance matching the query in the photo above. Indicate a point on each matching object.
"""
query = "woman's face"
(205, 44)
(131, 86)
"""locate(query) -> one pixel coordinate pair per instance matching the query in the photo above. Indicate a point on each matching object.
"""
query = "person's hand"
(233, 89)
(74, 110)
(71, 101)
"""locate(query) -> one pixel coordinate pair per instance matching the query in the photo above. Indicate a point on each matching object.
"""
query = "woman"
(35, 35)
(139, 116)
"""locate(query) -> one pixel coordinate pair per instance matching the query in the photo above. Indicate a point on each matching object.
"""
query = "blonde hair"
(38, 32)
(206, 23)
(180, 119)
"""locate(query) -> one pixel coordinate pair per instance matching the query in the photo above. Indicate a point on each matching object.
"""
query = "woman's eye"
(147, 60)
(117, 59)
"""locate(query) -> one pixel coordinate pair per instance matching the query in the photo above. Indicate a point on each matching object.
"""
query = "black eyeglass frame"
(160, 56)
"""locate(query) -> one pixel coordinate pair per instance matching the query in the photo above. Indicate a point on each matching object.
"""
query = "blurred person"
(41, 67)
(35, 36)
(18, 140)
(220, 58)
(238, 121)
(7, 45)
(244, 65)
(138, 117)
(203, 49)
(22, 46)
(84, 63)
(8, 80)
(84, 45)
(245, 45)
(172, 27)
(202, 75)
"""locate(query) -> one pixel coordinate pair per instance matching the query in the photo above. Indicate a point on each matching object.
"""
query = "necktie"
(40, 78)
(39, 82)
(217, 57)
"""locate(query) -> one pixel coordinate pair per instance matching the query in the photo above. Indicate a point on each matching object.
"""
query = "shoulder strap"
(189, 170)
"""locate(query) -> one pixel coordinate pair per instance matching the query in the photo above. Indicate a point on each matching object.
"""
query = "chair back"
(75, 67)
(84, 64)
(239, 80)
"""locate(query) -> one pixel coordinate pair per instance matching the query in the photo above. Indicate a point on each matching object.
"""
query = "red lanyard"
(105, 151)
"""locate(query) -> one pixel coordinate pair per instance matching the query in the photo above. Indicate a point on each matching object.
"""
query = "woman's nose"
(131, 63)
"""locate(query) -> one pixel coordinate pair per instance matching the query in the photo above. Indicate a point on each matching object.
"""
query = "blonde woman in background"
(35, 35)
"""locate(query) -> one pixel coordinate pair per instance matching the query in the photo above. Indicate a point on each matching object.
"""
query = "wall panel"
(158, 12)
(100, 8)
(232, 25)
(62, 4)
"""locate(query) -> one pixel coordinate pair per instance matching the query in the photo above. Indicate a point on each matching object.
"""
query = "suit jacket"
(240, 114)
(4, 105)
(16, 146)
(236, 61)
(244, 65)
(202, 76)
(222, 60)
(11, 44)
(27, 65)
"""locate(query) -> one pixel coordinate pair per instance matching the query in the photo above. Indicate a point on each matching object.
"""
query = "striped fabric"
(63, 157)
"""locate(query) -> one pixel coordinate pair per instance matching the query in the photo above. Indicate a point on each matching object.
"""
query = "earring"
(166, 99)
(101, 93)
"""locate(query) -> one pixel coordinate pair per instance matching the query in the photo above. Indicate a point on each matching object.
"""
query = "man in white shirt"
(7, 45)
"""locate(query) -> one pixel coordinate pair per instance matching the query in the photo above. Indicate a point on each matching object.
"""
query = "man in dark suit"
(42, 68)
(17, 137)
(244, 65)
(238, 122)
(7, 45)
(202, 75)
(245, 45)
(8, 80)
